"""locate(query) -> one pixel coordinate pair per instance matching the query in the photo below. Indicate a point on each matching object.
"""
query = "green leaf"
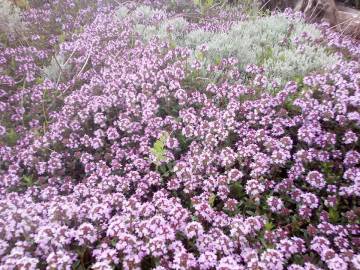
(212, 199)
(197, 2)
(62, 38)
(172, 44)
(39, 80)
(199, 56)
(209, 3)
(76, 264)
(158, 149)
(269, 226)
(13, 63)
(298, 259)
(113, 242)
(11, 137)
(334, 215)
(28, 180)
(158, 146)
(237, 191)
(217, 60)
(262, 241)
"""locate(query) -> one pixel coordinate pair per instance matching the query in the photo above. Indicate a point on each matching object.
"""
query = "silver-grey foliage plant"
(10, 18)
(57, 68)
(275, 42)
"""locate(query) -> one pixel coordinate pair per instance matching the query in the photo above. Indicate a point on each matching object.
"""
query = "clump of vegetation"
(57, 68)
(276, 43)
(285, 46)
(10, 19)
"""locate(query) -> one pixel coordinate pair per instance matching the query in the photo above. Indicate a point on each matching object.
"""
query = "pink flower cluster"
(249, 179)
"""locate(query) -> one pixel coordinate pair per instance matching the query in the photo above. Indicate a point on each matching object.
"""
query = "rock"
(345, 19)
(348, 21)
(317, 10)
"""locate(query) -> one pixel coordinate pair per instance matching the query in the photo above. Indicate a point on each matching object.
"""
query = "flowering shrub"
(283, 44)
(141, 157)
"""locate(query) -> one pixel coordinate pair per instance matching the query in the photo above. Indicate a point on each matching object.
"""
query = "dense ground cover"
(147, 137)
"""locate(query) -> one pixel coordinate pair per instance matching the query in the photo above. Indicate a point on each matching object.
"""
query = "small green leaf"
(113, 242)
(62, 38)
(158, 146)
(158, 150)
(28, 180)
(269, 226)
(217, 60)
(334, 215)
(11, 137)
(262, 241)
(13, 63)
(39, 80)
(194, 218)
(212, 199)
(237, 191)
(172, 44)
(199, 56)
(76, 264)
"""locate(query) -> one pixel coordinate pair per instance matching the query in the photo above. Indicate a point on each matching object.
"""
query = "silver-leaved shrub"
(286, 47)
(58, 67)
(275, 42)
(10, 19)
